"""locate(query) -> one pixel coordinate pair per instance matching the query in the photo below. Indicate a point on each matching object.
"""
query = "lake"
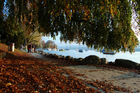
(76, 54)
(72, 49)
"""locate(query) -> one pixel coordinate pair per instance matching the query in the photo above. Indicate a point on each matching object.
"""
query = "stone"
(55, 56)
(62, 57)
(111, 63)
(68, 57)
(125, 63)
(58, 56)
(92, 59)
(46, 54)
(50, 55)
(138, 67)
(104, 61)
(79, 60)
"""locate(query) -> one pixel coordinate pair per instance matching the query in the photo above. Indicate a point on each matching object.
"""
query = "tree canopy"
(96, 23)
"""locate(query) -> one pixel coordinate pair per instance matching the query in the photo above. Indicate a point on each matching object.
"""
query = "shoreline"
(117, 76)
(126, 79)
(124, 63)
(49, 73)
(76, 54)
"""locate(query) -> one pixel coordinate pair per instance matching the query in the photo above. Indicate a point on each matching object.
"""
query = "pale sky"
(139, 38)
(135, 24)
(58, 42)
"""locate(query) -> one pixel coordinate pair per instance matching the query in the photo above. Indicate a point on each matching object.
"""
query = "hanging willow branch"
(96, 23)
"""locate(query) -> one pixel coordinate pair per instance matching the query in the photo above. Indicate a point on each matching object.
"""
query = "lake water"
(76, 54)
(74, 51)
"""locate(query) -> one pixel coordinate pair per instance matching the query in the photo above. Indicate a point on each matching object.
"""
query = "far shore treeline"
(96, 23)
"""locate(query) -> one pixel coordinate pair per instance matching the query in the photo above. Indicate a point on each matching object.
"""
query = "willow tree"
(101, 24)
(19, 26)
(96, 23)
(1, 18)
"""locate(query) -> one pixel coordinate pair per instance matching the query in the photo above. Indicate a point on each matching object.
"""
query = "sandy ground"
(124, 79)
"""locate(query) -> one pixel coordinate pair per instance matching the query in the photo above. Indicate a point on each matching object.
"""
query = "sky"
(5, 10)
(139, 38)
(62, 44)
(136, 29)
(134, 24)
(65, 45)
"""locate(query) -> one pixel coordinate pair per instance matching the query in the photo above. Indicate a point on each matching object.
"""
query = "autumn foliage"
(23, 74)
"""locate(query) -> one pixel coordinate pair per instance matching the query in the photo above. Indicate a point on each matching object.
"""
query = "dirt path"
(39, 56)
(125, 79)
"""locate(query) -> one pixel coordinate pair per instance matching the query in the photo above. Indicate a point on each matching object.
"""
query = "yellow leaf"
(8, 84)
(111, 11)
(102, 7)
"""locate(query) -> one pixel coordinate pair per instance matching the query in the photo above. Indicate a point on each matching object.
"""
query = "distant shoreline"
(111, 58)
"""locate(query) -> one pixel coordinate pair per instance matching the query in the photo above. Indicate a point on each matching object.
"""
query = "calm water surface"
(76, 54)
(73, 51)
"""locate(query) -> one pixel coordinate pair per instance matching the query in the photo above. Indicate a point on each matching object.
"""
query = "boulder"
(92, 59)
(68, 57)
(138, 67)
(55, 56)
(62, 57)
(111, 63)
(104, 61)
(51, 55)
(79, 59)
(74, 59)
(40, 51)
(125, 63)
(59, 56)
(71, 59)
(46, 54)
